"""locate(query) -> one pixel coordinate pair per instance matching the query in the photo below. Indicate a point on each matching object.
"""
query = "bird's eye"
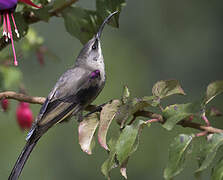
(94, 46)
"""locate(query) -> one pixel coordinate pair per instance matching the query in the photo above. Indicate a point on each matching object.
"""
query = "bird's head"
(91, 52)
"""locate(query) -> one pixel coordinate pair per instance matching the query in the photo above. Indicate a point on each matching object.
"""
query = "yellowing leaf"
(86, 131)
(107, 115)
(213, 90)
(166, 88)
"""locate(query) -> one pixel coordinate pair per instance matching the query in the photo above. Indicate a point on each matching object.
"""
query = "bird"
(74, 91)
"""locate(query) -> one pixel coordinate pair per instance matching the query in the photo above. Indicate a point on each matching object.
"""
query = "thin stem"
(205, 120)
(203, 133)
(152, 120)
(62, 7)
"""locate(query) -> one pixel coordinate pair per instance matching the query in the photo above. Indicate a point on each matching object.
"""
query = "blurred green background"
(157, 40)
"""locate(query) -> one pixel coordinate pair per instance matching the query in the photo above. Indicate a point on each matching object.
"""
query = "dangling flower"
(5, 104)
(24, 115)
(7, 8)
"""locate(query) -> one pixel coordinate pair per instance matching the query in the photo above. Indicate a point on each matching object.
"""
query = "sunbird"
(73, 92)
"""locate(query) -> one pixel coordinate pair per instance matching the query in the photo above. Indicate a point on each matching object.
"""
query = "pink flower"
(5, 104)
(24, 115)
(7, 8)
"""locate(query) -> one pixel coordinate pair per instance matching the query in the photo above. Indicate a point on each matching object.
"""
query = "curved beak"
(98, 35)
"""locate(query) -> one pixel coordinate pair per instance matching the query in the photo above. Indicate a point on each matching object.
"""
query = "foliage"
(122, 147)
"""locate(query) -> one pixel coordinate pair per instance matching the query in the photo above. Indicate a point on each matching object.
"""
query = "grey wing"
(62, 101)
(64, 94)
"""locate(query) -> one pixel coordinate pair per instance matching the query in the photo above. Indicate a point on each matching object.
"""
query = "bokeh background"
(157, 40)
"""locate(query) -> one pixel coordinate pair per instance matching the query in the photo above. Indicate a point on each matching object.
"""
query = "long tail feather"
(17, 169)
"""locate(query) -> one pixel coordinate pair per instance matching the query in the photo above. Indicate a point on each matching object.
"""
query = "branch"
(22, 97)
(30, 18)
(201, 127)
(183, 123)
(147, 114)
(31, 99)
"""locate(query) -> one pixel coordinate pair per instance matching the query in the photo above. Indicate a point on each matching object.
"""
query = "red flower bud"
(24, 116)
(5, 104)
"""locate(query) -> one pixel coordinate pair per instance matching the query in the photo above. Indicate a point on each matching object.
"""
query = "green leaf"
(151, 100)
(209, 150)
(213, 90)
(123, 113)
(217, 173)
(86, 131)
(123, 166)
(126, 110)
(107, 115)
(166, 88)
(80, 23)
(125, 95)
(110, 163)
(127, 139)
(177, 112)
(121, 149)
(21, 25)
(44, 2)
(11, 77)
(106, 7)
(139, 104)
(42, 13)
(58, 3)
(178, 151)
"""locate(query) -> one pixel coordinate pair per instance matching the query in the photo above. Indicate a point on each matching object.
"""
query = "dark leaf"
(106, 7)
(110, 163)
(151, 100)
(123, 113)
(177, 112)
(58, 3)
(139, 104)
(21, 25)
(126, 110)
(42, 13)
(126, 143)
(209, 150)
(217, 173)
(83, 24)
(178, 151)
